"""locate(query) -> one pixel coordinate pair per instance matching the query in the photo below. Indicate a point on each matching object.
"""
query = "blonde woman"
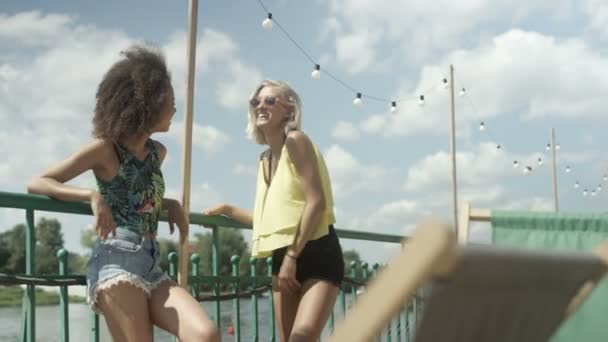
(293, 215)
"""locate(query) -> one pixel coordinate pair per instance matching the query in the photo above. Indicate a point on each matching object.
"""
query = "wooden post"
(453, 148)
(553, 162)
(187, 155)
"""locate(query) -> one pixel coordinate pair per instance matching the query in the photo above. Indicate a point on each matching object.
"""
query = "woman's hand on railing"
(104, 222)
(241, 215)
(220, 209)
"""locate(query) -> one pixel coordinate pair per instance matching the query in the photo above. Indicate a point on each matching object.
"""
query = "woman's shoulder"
(298, 141)
(100, 146)
(159, 149)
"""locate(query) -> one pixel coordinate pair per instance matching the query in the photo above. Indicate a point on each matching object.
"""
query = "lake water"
(48, 322)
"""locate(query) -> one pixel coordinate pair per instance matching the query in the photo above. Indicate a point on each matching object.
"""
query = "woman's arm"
(241, 215)
(302, 154)
(51, 182)
(90, 157)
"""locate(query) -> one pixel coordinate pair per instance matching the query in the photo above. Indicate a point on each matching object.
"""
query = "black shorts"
(320, 259)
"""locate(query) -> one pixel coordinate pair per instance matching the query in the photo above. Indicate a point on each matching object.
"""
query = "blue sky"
(527, 66)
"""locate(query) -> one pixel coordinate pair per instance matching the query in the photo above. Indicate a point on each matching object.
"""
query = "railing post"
(214, 268)
(273, 335)
(375, 274)
(353, 276)
(236, 308)
(172, 265)
(195, 261)
(254, 299)
(62, 255)
(30, 243)
(95, 328)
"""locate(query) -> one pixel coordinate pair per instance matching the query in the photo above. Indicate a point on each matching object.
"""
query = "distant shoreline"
(12, 296)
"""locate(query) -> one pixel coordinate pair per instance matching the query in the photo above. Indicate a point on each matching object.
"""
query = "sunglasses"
(268, 101)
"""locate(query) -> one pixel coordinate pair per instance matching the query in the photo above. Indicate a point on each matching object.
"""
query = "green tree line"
(49, 239)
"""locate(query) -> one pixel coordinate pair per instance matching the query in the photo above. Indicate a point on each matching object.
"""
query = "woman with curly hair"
(293, 215)
(124, 280)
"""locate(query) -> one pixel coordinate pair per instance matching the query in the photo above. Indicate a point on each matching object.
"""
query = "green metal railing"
(256, 284)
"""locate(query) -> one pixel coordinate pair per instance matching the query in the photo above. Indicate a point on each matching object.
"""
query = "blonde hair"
(294, 122)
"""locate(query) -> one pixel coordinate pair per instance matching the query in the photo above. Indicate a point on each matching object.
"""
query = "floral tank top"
(135, 194)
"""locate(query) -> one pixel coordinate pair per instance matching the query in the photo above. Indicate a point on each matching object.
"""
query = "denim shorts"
(127, 258)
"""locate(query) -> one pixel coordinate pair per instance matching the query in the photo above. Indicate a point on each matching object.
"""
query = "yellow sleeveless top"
(278, 208)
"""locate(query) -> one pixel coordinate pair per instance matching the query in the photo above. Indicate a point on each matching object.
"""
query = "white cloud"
(349, 176)
(345, 131)
(485, 165)
(207, 138)
(33, 28)
(202, 195)
(414, 30)
(597, 10)
(244, 169)
(521, 72)
(215, 51)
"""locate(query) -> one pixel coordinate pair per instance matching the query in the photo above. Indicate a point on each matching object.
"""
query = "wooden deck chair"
(476, 293)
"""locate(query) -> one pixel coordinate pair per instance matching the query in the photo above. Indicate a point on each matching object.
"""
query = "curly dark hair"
(132, 94)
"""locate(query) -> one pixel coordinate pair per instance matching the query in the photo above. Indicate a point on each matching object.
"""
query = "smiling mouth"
(262, 116)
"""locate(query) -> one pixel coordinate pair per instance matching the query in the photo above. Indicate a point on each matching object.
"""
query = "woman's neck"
(275, 142)
(136, 144)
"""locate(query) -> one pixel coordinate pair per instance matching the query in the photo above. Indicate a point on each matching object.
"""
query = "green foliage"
(13, 296)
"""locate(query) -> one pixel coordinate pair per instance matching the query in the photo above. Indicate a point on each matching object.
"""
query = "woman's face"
(270, 108)
(167, 113)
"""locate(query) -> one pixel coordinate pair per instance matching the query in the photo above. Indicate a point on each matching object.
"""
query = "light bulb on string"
(498, 147)
(527, 170)
(267, 23)
(446, 84)
(592, 192)
(605, 178)
(393, 107)
(540, 161)
(357, 101)
(557, 147)
(421, 100)
(482, 126)
(576, 185)
(599, 188)
(548, 147)
(568, 169)
(462, 92)
(585, 192)
(515, 164)
(316, 74)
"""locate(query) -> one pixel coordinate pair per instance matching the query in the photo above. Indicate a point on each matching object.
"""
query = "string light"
(316, 74)
(421, 100)
(576, 185)
(270, 22)
(267, 23)
(357, 101)
(585, 192)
